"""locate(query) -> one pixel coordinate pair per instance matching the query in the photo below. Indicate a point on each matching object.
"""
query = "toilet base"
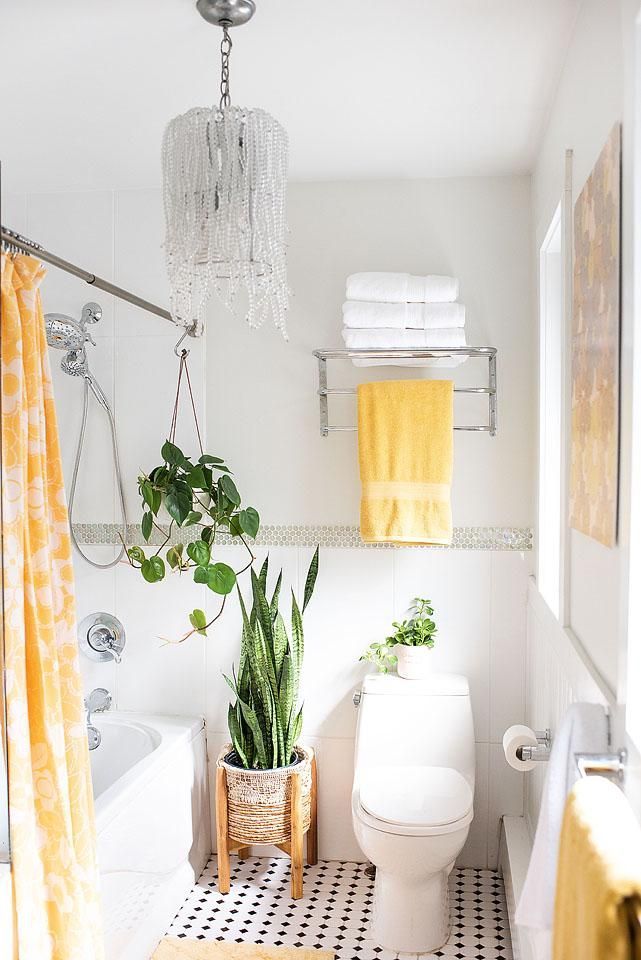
(411, 915)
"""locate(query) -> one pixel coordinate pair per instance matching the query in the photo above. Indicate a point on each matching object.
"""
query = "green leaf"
(207, 458)
(228, 487)
(147, 525)
(262, 576)
(198, 621)
(196, 479)
(200, 575)
(273, 606)
(172, 454)
(310, 582)
(153, 569)
(156, 501)
(234, 525)
(178, 503)
(221, 578)
(207, 534)
(237, 739)
(199, 552)
(192, 517)
(137, 554)
(249, 522)
(147, 492)
(174, 556)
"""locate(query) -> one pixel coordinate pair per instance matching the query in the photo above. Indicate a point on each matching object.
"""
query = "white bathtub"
(152, 818)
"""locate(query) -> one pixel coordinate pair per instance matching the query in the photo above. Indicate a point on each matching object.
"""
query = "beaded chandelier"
(224, 186)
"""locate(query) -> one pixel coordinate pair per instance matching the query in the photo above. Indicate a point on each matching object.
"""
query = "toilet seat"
(416, 801)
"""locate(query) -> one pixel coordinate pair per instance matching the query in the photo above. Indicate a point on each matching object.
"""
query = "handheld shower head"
(75, 363)
(65, 333)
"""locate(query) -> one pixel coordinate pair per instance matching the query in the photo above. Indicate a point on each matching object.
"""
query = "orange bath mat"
(178, 948)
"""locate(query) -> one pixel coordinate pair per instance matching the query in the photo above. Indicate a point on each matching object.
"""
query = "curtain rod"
(16, 241)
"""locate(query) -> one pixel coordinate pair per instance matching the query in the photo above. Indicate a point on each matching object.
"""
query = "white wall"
(476, 229)
(258, 395)
(588, 102)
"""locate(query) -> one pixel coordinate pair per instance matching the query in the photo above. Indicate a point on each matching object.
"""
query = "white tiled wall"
(358, 594)
(479, 595)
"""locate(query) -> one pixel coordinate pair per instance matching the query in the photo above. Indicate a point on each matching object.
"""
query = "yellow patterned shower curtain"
(50, 803)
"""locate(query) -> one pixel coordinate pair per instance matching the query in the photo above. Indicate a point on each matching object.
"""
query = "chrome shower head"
(65, 333)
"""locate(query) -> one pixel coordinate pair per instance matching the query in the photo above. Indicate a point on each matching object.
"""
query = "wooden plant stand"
(292, 847)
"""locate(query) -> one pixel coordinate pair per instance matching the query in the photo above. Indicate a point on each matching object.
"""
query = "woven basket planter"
(259, 801)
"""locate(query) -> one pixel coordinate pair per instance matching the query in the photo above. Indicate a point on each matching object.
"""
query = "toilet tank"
(416, 722)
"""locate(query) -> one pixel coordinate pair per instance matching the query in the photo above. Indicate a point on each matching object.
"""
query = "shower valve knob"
(102, 637)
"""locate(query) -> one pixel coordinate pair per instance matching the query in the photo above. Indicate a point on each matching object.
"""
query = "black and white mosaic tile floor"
(334, 913)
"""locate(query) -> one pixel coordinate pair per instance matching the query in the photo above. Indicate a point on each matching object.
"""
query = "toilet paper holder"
(541, 751)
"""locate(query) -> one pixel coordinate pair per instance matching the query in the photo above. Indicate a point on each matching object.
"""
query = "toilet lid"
(415, 796)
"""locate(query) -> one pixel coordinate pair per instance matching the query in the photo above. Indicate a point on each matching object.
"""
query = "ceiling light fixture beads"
(224, 188)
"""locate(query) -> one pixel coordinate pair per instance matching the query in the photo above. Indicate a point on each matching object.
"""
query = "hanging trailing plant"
(266, 719)
(190, 493)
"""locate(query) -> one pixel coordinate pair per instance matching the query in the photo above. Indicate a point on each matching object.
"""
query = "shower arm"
(15, 241)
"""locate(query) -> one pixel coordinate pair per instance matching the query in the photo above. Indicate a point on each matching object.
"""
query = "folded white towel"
(401, 288)
(584, 729)
(403, 316)
(445, 362)
(384, 339)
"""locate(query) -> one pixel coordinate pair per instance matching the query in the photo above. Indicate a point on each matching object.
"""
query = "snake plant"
(265, 720)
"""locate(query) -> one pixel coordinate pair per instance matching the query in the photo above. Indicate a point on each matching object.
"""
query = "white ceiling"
(365, 88)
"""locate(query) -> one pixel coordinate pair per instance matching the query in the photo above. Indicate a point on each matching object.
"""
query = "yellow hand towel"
(405, 453)
(599, 868)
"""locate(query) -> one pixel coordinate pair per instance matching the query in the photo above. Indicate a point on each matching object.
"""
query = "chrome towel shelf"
(485, 353)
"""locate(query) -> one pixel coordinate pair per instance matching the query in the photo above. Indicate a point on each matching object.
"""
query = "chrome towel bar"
(610, 765)
(484, 353)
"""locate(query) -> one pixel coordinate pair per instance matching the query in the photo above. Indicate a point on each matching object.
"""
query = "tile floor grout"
(334, 912)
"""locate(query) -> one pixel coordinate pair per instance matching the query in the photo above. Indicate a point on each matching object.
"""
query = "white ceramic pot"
(413, 662)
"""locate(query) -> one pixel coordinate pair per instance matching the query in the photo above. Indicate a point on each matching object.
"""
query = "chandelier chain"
(225, 51)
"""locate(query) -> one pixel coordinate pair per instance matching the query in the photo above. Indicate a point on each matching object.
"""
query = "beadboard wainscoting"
(479, 596)
(558, 673)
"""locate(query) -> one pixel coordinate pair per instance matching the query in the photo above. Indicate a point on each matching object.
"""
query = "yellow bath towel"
(174, 948)
(599, 868)
(405, 454)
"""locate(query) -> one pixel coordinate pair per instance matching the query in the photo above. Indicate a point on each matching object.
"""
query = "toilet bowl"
(412, 801)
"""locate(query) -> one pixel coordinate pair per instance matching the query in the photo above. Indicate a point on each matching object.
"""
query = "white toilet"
(412, 801)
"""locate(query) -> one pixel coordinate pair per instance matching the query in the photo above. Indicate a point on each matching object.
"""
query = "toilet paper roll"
(518, 736)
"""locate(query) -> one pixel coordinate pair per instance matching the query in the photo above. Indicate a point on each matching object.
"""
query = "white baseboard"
(516, 847)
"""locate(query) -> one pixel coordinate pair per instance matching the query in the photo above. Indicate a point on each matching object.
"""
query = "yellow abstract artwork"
(596, 323)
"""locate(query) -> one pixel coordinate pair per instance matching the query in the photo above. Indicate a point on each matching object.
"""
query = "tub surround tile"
(335, 912)
(139, 225)
(96, 488)
(146, 374)
(95, 592)
(14, 212)
(79, 227)
(156, 676)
